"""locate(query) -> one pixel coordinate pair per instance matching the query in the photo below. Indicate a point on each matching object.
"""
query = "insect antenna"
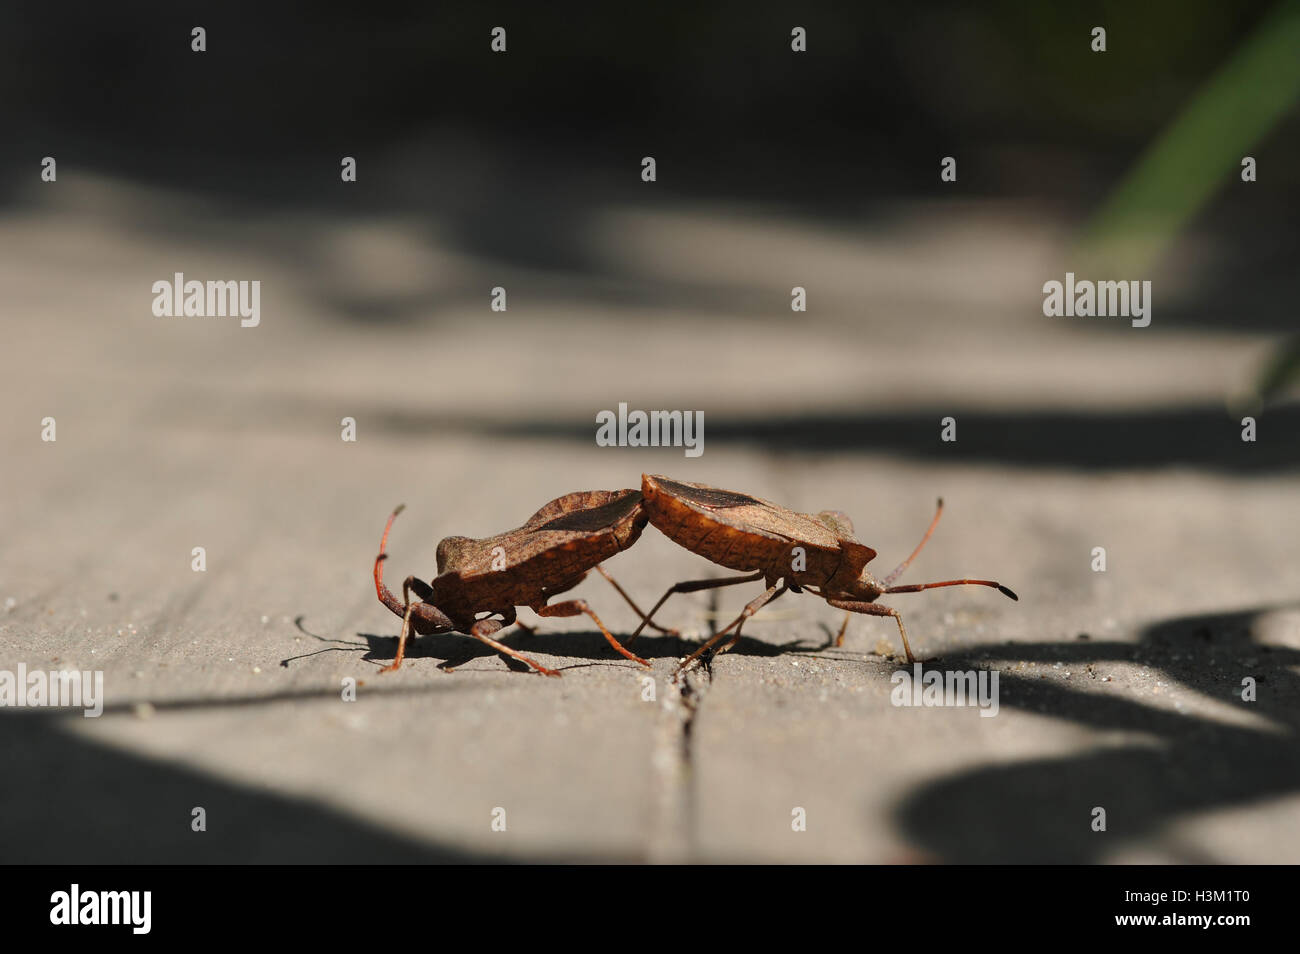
(898, 570)
(385, 595)
(917, 587)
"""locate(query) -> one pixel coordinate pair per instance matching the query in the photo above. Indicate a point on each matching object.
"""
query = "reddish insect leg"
(645, 620)
(844, 627)
(577, 608)
(406, 631)
(875, 609)
(423, 617)
(692, 586)
(483, 630)
(773, 592)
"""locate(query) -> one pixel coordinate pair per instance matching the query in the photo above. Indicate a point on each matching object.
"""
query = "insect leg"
(420, 588)
(844, 627)
(875, 609)
(577, 608)
(483, 630)
(646, 620)
(406, 619)
(753, 606)
(423, 617)
(692, 586)
(741, 621)
(510, 618)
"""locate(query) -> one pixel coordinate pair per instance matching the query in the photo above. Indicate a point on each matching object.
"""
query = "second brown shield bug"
(785, 549)
(550, 554)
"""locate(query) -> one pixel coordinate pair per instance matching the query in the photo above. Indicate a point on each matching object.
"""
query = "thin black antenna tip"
(1007, 592)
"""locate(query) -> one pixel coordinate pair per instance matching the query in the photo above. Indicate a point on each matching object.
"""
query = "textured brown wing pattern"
(582, 500)
(739, 511)
(595, 515)
(704, 495)
(565, 538)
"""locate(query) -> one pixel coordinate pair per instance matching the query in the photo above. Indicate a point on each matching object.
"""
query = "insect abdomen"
(717, 542)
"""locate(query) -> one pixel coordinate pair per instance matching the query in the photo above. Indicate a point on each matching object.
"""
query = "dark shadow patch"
(67, 800)
(1040, 810)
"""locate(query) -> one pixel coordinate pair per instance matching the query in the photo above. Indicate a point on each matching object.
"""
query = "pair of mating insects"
(574, 534)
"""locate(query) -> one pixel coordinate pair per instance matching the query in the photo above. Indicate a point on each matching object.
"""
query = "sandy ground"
(1118, 689)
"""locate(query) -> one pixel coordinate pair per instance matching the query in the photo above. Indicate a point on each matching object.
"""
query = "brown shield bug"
(549, 554)
(788, 550)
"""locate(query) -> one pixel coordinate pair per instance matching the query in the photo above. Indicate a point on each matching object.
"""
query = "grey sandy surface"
(1119, 690)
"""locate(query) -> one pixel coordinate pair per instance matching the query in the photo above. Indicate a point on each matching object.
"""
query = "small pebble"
(144, 710)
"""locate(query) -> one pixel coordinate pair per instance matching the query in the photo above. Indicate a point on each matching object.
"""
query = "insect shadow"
(345, 647)
(1040, 810)
(455, 650)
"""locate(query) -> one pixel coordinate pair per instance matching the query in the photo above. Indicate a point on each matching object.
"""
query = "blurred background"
(775, 169)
